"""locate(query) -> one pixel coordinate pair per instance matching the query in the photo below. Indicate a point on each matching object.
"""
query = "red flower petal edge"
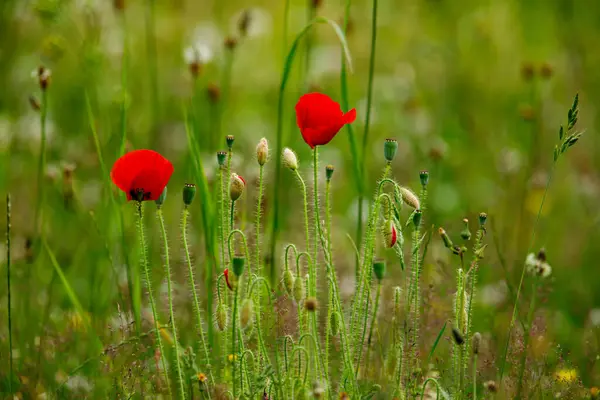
(320, 118)
(142, 174)
(226, 273)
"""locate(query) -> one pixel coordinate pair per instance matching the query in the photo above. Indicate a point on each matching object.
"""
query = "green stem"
(146, 264)
(221, 211)
(41, 162)
(315, 263)
(305, 201)
(192, 283)
(373, 321)
(124, 65)
(258, 215)
(233, 344)
(163, 231)
(365, 141)
(474, 376)
(231, 218)
(329, 281)
(10, 346)
(527, 336)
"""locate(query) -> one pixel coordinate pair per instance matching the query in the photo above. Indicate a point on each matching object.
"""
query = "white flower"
(198, 53)
(537, 265)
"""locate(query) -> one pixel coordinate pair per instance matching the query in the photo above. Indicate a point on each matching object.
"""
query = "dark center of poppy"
(138, 194)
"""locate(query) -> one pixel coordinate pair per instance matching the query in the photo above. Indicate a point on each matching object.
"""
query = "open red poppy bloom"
(142, 174)
(320, 118)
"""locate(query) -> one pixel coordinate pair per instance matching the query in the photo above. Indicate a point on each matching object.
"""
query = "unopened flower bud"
(228, 279)
(161, 199)
(262, 151)
(229, 139)
(417, 216)
(334, 323)
(221, 157)
(445, 238)
(329, 172)
(236, 187)
(288, 281)
(390, 147)
(221, 317)
(189, 192)
(379, 268)
(482, 218)
(424, 177)
(458, 337)
(466, 233)
(311, 304)
(237, 264)
(410, 198)
(390, 233)
(289, 159)
(476, 343)
(246, 313)
(298, 289)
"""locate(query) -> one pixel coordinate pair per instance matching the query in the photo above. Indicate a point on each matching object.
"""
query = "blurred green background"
(474, 92)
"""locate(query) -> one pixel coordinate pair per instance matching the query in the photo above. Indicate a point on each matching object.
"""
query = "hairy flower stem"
(373, 322)
(259, 270)
(41, 163)
(475, 376)
(146, 264)
(233, 342)
(330, 300)
(527, 334)
(10, 347)
(192, 282)
(163, 231)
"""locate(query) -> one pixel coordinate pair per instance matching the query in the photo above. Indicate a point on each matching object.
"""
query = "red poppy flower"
(142, 174)
(320, 118)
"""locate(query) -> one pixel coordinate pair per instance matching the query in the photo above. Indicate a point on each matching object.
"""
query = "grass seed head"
(546, 71)
(491, 386)
(213, 92)
(527, 71)
(34, 103)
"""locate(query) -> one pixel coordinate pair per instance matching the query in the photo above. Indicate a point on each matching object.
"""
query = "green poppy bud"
(379, 268)
(238, 265)
(390, 147)
(161, 199)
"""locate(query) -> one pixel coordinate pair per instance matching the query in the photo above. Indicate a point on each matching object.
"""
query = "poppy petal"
(349, 117)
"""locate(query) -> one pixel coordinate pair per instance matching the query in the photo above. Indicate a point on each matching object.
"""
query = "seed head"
(237, 264)
(482, 218)
(161, 199)
(390, 234)
(379, 268)
(390, 147)
(298, 289)
(491, 386)
(466, 233)
(289, 159)
(229, 139)
(119, 5)
(262, 151)
(410, 198)
(344, 396)
(329, 172)
(246, 313)
(424, 177)
(594, 392)
(43, 76)
(221, 317)
(288, 281)
(221, 157)
(476, 343)
(458, 337)
(236, 187)
(417, 216)
(311, 304)
(189, 192)
(536, 264)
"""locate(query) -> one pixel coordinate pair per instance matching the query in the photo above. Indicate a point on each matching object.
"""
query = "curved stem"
(163, 231)
(437, 385)
(146, 263)
(231, 215)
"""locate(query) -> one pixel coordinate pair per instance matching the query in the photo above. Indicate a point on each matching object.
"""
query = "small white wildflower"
(198, 53)
(537, 265)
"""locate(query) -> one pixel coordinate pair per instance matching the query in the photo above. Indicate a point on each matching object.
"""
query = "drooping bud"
(476, 343)
(410, 198)
(424, 177)
(289, 159)
(236, 187)
(417, 216)
(227, 279)
(390, 147)
(246, 313)
(311, 304)
(288, 281)
(329, 172)
(189, 192)
(334, 324)
(221, 317)
(445, 238)
(458, 337)
(482, 218)
(237, 264)
(298, 289)
(161, 199)
(262, 151)
(466, 233)
(379, 268)
(390, 234)
(221, 157)
(230, 139)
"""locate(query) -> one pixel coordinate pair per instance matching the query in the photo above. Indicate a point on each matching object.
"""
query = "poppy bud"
(221, 317)
(298, 289)
(334, 323)
(311, 304)
(445, 238)
(476, 343)
(457, 336)
(329, 172)
(230, 139)
(288, 281)
(262, 151)
(379, 268)
(482, 218)
(161, 199)
(466, 233)
(227, 280)
(390, 234)
(221, 156)
(246, 313)
(424, 177)
(236, 187)
(238, 265)
(390, 147)
(417, 218)
(289, 159)
(189, 192)
(410, 198)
